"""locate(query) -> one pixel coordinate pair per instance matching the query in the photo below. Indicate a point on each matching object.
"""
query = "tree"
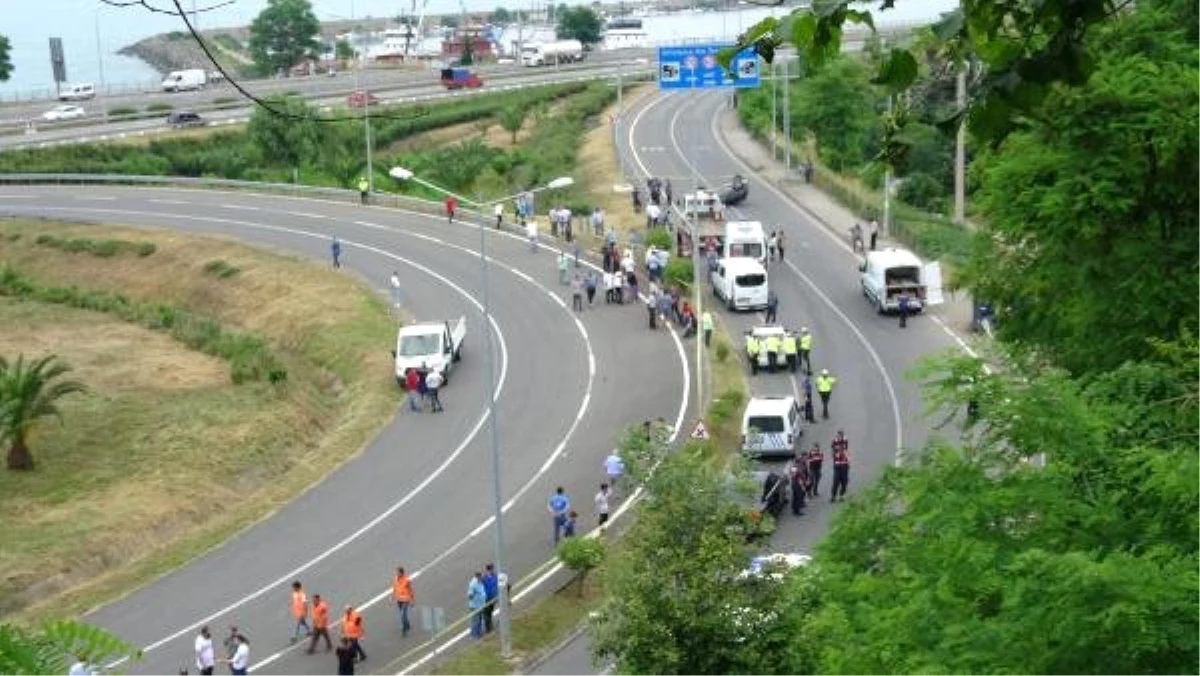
(28, 393)
(468, 51)
(511, 120)
(56, 645)
(581, 556)
(283, 34)
(292, 139)
(501, 15)
(5, 59)
(837, 105)
(343, 50)
(578, 23)
(1097, 192)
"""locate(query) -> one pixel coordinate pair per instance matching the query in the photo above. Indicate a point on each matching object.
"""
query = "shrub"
(722, 351)
(679, 272)
(104, 248)
(659, 238)
(727, 407)
(159, 107)
(122, 111)
(145, 249)
(222, 102)
(921, 191)
(220, 269)
(581, 555)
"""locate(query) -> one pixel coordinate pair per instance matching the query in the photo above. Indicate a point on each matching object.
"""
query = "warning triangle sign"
(701, 432)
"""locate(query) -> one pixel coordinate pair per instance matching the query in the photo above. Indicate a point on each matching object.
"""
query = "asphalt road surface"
(877, 405)
(419, 495)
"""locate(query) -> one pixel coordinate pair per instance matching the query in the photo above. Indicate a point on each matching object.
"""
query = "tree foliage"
(511, 118)
(283, 34)
(291, 139)
(56, 645)
(343, 50)
(500, 15)
(578, 23)
(837, 106)
(29, 392)
(581, 556)
(5, 59)
(1093, 216)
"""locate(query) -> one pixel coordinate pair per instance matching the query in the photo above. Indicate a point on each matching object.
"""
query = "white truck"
(745, 239)
(888, 273)
(550, 53)
(185, 80)
(429, 346)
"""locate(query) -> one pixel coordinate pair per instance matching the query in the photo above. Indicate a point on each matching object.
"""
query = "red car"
(360, 99)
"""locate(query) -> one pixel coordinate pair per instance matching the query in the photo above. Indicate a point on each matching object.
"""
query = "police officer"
(814, 459)
(824, 390)
(798, 472)
(903, 304)
(789, 350)
(839, 442)
(841, 474)
(773, 345)
(772, 306)
(752, 349)
(364, 187)
(806, 350)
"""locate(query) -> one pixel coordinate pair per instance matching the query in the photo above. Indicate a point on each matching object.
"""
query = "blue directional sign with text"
(696, 67)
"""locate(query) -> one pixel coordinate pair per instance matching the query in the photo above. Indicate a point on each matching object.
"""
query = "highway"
(677, 136)
(420, 494)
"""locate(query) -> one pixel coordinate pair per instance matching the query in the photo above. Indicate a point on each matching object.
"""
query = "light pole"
(501, 551)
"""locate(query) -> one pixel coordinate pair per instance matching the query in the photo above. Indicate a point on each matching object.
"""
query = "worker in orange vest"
(352, 630)
(403, 594)
(299, 611)
(320, 624)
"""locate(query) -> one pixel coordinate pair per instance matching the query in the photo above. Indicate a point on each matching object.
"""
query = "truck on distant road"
(429, 346)
(185, 80)
(550, 53)
(891, 272)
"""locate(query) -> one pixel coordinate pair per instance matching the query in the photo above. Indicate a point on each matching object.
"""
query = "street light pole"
(960, 155)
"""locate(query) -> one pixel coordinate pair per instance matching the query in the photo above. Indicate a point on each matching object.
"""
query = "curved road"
(420, 494)
(677, 135)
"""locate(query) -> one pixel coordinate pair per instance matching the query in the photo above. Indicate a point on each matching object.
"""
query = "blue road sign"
(696, 67)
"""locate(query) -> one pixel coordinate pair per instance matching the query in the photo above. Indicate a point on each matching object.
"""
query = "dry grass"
(165, 458)
(603, 178)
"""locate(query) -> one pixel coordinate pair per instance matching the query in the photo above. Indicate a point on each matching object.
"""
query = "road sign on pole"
(58, 62)
(696, 67)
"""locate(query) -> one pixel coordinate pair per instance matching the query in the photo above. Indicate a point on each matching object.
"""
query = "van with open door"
(889, 273)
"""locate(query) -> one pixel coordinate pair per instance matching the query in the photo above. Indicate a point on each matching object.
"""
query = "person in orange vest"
(299, 611)
(403, 594)
(320, 624)
(352, 630)
(841, 473)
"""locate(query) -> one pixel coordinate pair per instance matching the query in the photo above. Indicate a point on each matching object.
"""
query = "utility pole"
(100, 50)
(787, 120)
(960, 151)
(887, 185)
(366, 104)
(774, 115)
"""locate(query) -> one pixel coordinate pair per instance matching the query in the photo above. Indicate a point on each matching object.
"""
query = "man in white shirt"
(531, 233)
(874, 232)
(239, 664)
(394, 282)
(602, 505)
(433, 382)
(614, 467)
(499, 211)
(653, 213)
(205, 658)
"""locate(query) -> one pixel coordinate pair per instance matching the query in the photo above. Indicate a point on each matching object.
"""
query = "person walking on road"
(531, 234)
(805, 359)
(320, 624)
(873, 229)
(825, 389)
(476, 598)
(614, 467)
(231, 644)
(577, 293)
(412, 383)
(706, 325)
(499, 211)
(798, 474)
(335, 252)
(205, 657)
(779, 244)
(299, 611)
(364, 188)
(491, 594)
(772, 306)
(590, 283)
(558, 505)
(841, 474)
(402, 594)
(569, 527)
(352, 630)
(601, 501)
(451, 205)
(345, 658)
(814, 459)
(772, 243)
(789, 350)
(564, 265)
(239, 662)
(394, 283)
(807, 386)
(433, 385)
(902, 303)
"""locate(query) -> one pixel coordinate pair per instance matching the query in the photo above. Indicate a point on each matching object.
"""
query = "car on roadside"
(66, 112)
(360, 98)
(185, 118)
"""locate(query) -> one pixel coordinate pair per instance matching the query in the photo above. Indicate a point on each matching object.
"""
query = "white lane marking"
(293, 574)
(241, 207)
(158, 201)
(875, 358)
(18, 197)
(93, 198)
(304, 214)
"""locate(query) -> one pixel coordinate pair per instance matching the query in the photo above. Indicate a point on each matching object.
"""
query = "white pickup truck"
(429, 346)
(888, 273)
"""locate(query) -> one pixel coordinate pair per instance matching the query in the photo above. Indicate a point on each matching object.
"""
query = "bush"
(220, 269)
(727, 407)
(581, 555)
(103, 248)
(921, 191)
(223, 102)
(679, 272)
(722, 351)
(122, 111)
(659, 238)
(159, 107)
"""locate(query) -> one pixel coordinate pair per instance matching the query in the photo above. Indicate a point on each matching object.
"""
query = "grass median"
(165, 456)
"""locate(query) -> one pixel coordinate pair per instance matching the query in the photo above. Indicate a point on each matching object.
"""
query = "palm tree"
(28, 394)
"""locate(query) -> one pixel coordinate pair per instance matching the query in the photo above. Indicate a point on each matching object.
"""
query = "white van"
(745, 239)
(77, 92)
(771, 426)
(185, 80)
(741, 283)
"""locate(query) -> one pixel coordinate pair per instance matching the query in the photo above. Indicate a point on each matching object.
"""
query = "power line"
(122, 4)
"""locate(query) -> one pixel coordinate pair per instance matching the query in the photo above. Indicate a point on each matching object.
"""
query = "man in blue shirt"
(558, 505)
(476, 598)
(491, 591)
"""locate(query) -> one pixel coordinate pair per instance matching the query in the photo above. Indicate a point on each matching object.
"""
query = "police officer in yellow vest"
(752, 349)
(363, 187)
(824, 389)
(789, 350)
(773, 345)
(805, 358)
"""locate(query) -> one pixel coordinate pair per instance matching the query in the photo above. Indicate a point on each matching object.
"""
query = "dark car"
(185, 118)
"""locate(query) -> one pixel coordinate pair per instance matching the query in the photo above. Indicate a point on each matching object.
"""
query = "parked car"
(77, 92)
(185, 118)
(360, 99)
(59, 113)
